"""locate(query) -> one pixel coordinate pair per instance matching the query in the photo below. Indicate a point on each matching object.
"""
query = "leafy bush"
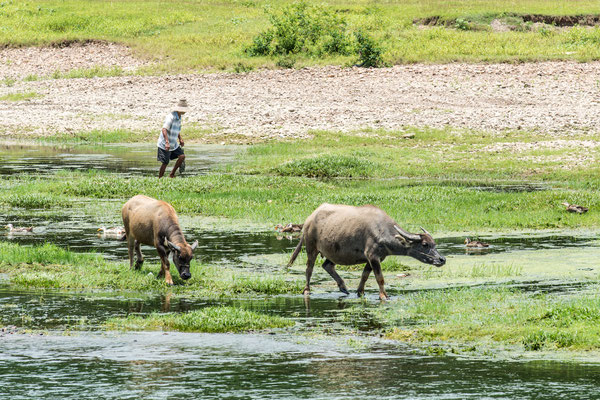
(328, 166)
(462, 24)
(369, 52)
(301, 28)
(286, 62)
(242, 68)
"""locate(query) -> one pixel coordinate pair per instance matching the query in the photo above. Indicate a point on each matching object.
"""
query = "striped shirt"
(173, 126)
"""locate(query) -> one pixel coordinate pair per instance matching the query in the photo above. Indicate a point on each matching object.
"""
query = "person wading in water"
(168, 148)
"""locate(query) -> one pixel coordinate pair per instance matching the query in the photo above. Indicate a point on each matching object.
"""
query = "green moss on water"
(209, 320)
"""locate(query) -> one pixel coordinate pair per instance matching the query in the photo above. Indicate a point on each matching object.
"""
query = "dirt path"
(555, 97)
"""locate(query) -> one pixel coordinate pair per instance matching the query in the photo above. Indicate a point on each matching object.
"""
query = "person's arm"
(181, 140)
(166, 135)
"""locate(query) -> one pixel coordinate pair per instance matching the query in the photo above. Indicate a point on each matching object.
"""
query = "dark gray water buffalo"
(155, 223)
(348, 235)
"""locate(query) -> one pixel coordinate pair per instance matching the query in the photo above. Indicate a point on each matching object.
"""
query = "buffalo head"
(421, 246)
(182, 255)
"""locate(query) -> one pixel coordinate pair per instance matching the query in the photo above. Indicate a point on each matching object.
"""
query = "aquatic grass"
(482, 270)
(34, 200)
(269, 199)
(13, 254)
(495, 315)
(51, 267)
(208, 320)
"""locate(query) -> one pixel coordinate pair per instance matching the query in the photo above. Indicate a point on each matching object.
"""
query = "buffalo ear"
(194, 245)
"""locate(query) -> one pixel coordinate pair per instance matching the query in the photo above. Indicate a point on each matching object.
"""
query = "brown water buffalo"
(155, 223)
(348, 235)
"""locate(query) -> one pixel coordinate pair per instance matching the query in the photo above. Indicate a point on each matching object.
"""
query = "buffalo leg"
(310, 264)
(164, 264)
(329, 266)
(363, 279)
(138, 254)
(376, 265)
(130, 245)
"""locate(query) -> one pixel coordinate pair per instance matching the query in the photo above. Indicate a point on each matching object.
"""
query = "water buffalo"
(348, 235)
(154, 223)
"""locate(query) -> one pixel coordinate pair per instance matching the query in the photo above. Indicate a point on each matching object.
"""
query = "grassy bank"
(209, 320)
(198, 35)
(508, 181)
(271, 200)
(484, 317)
(50, 267)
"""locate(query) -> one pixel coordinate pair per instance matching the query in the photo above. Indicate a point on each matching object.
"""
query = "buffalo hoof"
(306, 292)
(344, 290)
(138, 265)
(383, 296)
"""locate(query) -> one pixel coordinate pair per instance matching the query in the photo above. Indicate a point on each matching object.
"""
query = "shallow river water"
(156, 365)
(74, 358)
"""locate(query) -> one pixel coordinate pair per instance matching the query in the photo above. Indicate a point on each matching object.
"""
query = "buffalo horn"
(172, 245)
(194, 245)
(427, 233)
(407, 235)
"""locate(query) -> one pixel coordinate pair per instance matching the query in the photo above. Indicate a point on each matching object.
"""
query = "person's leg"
(180, 158)
(161, 171)
(163, 157)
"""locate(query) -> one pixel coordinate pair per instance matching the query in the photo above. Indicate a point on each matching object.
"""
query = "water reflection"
(123, 159)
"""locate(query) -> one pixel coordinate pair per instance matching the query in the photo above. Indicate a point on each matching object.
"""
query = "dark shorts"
(165, 156)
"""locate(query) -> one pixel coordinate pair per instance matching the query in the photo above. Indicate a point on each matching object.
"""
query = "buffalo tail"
(296, 252)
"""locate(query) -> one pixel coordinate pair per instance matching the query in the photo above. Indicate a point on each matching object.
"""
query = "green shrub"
(286, 62)
(369, 52)
(242, 68)
(462, 24)
(302, 28)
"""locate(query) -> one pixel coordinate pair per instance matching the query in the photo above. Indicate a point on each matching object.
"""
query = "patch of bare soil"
(555, 20)
(18, 63)
(557, 98)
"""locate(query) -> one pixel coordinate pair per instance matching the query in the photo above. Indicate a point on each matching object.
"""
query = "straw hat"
(182, 106)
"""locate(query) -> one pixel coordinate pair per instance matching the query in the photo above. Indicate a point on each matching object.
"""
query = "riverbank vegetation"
(485, 181)
(488, 317)
(51, 267)
(208, 320)
(180, 37)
